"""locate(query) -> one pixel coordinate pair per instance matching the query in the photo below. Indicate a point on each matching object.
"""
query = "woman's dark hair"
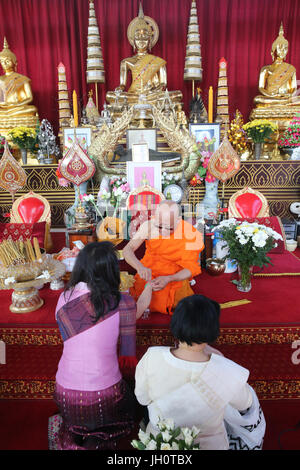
(196, 320)
(97, 264)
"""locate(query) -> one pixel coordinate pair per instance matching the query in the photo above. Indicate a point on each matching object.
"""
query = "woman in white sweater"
(195, 387)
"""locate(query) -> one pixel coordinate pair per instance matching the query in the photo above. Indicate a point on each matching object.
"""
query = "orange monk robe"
(167, 256)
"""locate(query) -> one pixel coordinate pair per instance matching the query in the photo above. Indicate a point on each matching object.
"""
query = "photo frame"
(141, 136)
(144, 174)
(140, 153)
(206, 130)
(84, 135)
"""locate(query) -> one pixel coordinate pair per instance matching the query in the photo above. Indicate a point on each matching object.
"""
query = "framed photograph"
(141, 136)
(140, 153)
(83, 134)
(144, 174)
(207, 132)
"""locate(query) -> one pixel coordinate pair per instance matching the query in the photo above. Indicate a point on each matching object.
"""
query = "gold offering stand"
(25, 296)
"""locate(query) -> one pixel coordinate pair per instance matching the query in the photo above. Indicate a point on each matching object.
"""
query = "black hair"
(97, 265)
(196, 320)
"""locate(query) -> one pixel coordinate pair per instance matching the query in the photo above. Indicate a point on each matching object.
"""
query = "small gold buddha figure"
(149, 75)
(277, 82)
(15, 94)
(277, 85)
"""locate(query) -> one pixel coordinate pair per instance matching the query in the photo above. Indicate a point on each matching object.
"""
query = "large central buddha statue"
(148, 72)
(277, 85)
(15, 94)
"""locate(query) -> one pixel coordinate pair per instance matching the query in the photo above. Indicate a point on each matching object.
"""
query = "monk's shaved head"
(167, 215)
(169, 207)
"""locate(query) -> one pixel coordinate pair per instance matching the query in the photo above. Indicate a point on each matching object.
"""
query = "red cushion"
(248, 205)
(23, 232)
(274, 223)
(31, 209)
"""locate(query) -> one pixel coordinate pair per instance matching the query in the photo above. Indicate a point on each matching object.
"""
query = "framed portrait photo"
(141, 136)
(144, 174)
(83, 134)
(207, 134)
(140, 152)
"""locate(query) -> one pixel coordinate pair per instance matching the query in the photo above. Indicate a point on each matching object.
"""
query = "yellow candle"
(210, 104)
(75, 109)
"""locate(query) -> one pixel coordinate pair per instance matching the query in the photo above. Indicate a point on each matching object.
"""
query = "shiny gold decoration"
(15, 95)
(232, 210)
(111, 229)
(224, 163)
(215, 266)
(12, 175)
(236, 134)
(64, 109)
(127, 281)
(222, 97)
(193, 60)
(149, 75)
(277, 85)
(25, 296)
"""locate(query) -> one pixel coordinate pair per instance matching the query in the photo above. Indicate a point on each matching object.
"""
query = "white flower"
(134, 444)
(259, 239)
(175, 446)
(243, 240)
(144, 437)
(189, 440)
(151, 445)
(186, 432)
(165, 446)
(170, 425)
(195, 431)
(9, 280)
(88, 198)
(166, 436)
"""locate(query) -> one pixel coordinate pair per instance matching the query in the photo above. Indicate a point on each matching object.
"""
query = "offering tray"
(25, 296)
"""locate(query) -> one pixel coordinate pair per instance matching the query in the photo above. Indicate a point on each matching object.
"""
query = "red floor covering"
(24, 425)
(257, 335)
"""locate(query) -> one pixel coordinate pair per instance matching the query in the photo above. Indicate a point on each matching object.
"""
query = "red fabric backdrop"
(44, 32)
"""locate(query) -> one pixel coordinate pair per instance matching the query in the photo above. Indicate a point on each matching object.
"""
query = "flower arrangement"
(260, 129)
(90, 199)
(291, 137)
(204, 150)
(2, 143)
(25, 138)
(169, 438)
(248, 244)
(168, 178)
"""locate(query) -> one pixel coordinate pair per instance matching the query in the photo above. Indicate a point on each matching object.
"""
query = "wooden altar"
(279, 181)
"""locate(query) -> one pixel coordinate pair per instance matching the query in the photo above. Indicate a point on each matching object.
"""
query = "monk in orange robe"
(171, 260)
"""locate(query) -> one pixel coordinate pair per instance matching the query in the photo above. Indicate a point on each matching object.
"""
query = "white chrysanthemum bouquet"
(169, 438)
(248, 243)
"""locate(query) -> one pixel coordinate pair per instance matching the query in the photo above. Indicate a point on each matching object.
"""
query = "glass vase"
(244, 277)
(258, 150)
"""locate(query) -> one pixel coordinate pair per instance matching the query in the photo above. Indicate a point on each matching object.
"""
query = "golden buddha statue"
(277, 85)
(15, 94)
(149, 75)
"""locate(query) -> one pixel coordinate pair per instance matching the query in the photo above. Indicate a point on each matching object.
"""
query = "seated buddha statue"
(277, 85)
(148, 72)
(15, 94)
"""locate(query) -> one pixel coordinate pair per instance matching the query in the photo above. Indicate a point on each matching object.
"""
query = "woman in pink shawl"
(95, 403)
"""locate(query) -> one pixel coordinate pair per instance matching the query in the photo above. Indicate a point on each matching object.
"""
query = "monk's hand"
(160, 282)
(145, 273)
